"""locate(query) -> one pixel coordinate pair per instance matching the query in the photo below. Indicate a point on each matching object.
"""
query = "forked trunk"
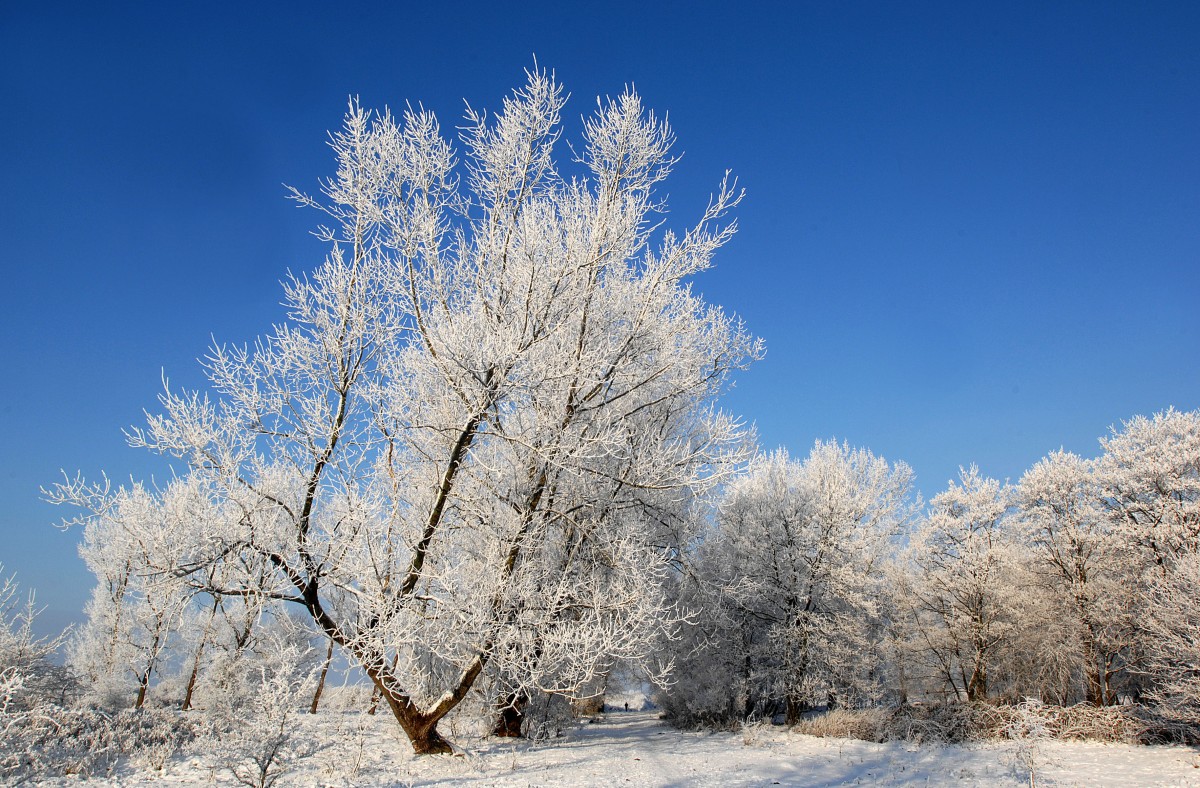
(430, 742)
(422, 731)
(420, 725)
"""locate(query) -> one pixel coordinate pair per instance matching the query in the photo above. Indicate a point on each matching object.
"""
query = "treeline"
(806, 585)
(822, 584)
(813, 583)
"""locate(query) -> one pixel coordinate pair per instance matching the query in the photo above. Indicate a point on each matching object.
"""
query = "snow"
(637, 749)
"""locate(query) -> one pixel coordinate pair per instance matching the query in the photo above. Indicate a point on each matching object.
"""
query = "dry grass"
(963, 722)
(865, 724)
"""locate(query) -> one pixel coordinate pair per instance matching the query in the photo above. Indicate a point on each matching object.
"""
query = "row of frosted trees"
(810, 583)
(822, 583)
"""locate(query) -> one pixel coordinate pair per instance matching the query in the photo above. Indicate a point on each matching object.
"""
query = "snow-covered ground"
(636, 749)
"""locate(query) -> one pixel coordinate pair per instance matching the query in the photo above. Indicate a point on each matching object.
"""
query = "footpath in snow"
(638, 749)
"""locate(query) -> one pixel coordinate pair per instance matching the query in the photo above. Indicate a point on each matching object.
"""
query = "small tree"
(256, 738)
(790, 582)
(130, 537)
(960, 591)
(1084, 565)
(28, 675)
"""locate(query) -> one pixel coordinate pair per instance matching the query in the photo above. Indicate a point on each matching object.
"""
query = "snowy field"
(635, 748)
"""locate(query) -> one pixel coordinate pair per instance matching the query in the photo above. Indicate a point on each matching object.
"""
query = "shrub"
(50, 741)
(256, 738)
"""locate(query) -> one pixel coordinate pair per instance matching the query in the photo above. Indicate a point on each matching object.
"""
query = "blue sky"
(971, 231)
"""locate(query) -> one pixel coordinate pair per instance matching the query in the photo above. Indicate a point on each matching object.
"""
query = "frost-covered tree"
(28, 672)
(465, 452)
(1085, 566)
(256, 737)
(1150, 478)
(131, 539)
(1172, 651)
(791, 582)
(713, 685)
(1104, 538)
(960, 592)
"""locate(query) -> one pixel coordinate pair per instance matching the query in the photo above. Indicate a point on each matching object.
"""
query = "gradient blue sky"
(972, 231)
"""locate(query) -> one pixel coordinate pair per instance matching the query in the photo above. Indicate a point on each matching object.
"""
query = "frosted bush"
(1028, 727)
(50, 741)
(256, 740)
(28, 676)
(548, 716)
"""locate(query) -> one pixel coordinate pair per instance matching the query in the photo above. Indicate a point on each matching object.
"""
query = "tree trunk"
(1100, 679)
(377, 693)
(422, 731)
(793, 709)
(321, 681)
(511, 715)
(144, 679)
(977, 687)
(747, 665)
(1096, 663)
(794, 704)
(191, 684)
(1095, 684)
(430, 742)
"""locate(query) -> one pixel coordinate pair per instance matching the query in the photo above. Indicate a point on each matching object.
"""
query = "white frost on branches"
(468, 450)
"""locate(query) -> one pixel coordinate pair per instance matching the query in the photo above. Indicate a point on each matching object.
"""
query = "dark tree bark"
(511, 715)
(144, 678)
(191, 684)
(321, 681)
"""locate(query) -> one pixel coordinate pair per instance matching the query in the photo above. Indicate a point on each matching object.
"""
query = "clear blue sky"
(972, 231)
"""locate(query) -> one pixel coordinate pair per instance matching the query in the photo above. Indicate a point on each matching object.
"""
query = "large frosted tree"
(466, 450)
